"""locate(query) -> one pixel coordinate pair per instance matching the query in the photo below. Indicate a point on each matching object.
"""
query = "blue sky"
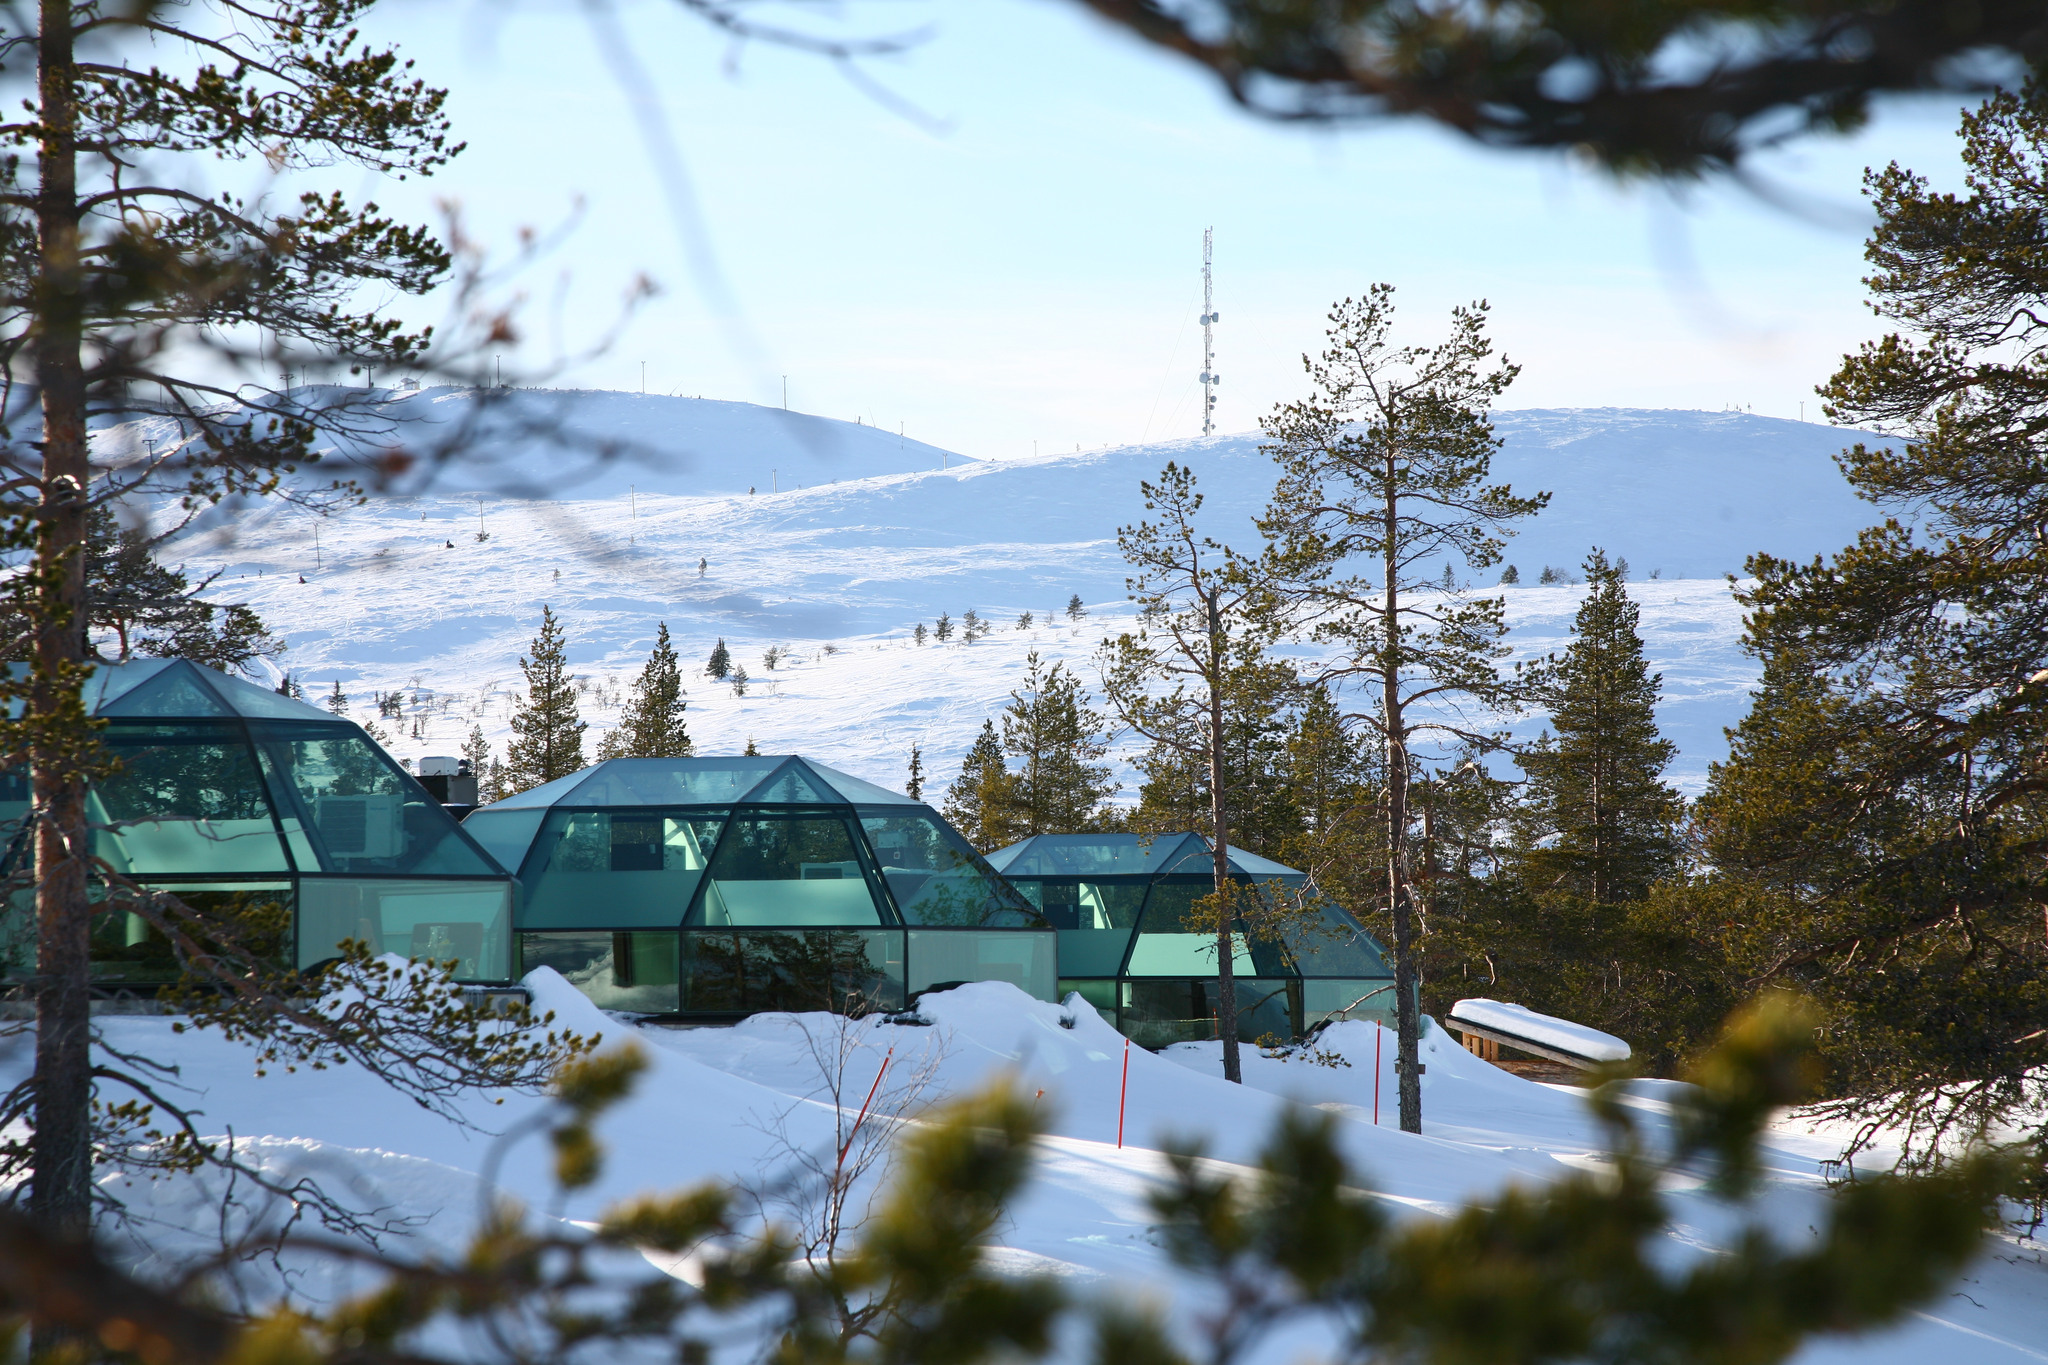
(1027, 269)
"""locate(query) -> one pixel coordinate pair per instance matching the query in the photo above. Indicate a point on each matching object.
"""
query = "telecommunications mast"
(1209, 316)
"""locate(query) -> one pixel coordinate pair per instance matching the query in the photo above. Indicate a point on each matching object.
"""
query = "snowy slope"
(402, 590)
(705, 1106)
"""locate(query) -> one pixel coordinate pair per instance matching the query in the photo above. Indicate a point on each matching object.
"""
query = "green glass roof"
(151, 689)
(765, 780)
(1122, 855)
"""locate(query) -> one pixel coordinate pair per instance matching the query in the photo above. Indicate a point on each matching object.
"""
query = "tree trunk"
(1219, 819)
(61, 1147)
(1407, 1018)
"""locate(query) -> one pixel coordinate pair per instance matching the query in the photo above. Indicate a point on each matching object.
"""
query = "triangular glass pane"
(114, 681)
(262, 703)
(792, 785)
(174, 691)
(858, 790)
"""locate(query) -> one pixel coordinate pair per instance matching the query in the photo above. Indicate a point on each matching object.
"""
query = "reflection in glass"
(631, 972)
(441, 920)
(847, 971)
(1157, 1013)
(342, 797)
(936, 877)
(185, 800)
(615, 869)
(774, 869)
(942, 958)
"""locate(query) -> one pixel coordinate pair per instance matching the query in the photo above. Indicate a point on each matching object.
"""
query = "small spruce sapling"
(913, 787)
(971, 627)
(739, 681)
(919, 634)
(1510, 576)
(1075, 611)
(1024, 621)
(943, 628)
(720, 666)
(337, 700)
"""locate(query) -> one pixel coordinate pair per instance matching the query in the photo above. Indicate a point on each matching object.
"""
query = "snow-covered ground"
(869, 536)
(702, 1109)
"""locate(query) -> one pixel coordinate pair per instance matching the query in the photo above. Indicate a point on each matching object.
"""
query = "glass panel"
(596, 869)
(936, 876)
(786, 870)
(1362, 999)
(791, 785)
(841, 970)
(592, 963)
(664, 782)
(546, 794)
(261, 702)
(469, 922)
(186, 799)
(505, 834)
(1339, 946)
(1100, 994)
(859, 792)
(14, 804)
(1095, 919)
(1253, 865)
(1027, 959)
(109, 682)
(359, 811)
(1156, 1013)
(1165, 947)
(128, 950)
(174, 691)
(1091, 855)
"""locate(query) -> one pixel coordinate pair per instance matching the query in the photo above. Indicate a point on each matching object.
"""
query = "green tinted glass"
(936, 876)
(186, 800)
(343, 797)
(440, 920)
(616, 869)
(772, 869)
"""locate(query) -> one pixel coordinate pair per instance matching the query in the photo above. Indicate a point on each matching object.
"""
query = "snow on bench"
(1545, 1035)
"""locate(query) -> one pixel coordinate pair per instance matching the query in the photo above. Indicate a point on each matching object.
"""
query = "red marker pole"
(1121, 1091)
(1379, 1031)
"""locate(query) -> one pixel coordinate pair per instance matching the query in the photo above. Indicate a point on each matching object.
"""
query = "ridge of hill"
(401, 594)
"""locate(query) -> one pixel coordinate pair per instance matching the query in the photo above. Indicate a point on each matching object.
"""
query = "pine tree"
(751, 751)
(547, 734)
(739, 681)
(1387, 463)
(913, 787)
(1075, 611)
(652, 726)
(1549, 575)
(1510, 576)
(971, 627)
(721, 661)
(1059, 786)
(1599, 822)
(1024, 620)
(337, 700)
(943, 628)
(918, 634)
(477, 751)
(1197, 665)
(981, 802)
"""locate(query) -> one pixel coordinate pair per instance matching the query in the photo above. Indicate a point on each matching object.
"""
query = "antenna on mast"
(1209, 316)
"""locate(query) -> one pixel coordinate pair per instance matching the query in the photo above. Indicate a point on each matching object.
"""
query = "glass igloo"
(271, 811)
(711, 888)
(1120, 904)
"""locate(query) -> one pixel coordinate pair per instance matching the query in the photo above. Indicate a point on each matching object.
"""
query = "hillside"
(402, 593)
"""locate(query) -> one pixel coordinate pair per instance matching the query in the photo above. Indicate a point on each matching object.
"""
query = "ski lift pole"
(862, 1118)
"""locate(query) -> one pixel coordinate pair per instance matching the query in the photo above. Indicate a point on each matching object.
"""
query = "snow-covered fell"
(402, 592)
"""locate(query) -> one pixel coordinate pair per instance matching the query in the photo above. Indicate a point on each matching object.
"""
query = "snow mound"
(1561, 1035)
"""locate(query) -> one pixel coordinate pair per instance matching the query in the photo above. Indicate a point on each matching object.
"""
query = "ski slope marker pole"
(1121, 1091)
(1379, 1035)
(864, 1108)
